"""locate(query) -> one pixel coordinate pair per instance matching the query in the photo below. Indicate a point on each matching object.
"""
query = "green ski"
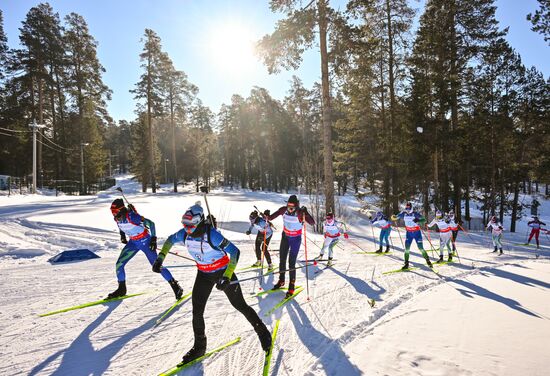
(265, 292)
(177, 303)
(284, 301)
(85, 305)
(267, 360)
(399, 270)
(181, 367)
(373, 253)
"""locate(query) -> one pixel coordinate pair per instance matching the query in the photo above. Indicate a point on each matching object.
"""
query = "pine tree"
(541, 19)
(284, 48)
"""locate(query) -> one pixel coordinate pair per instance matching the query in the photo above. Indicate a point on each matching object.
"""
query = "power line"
(49, 147)
(14, 130)
(59, 146)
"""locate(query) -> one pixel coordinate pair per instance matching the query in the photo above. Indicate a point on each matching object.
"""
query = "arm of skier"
(432, 223)
(279, 212)
(168, 244)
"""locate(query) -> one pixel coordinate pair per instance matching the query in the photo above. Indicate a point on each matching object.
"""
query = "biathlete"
(445, 234)
(413, 220)
(141, 232)
(496, 233)
(535, 225)
(453, 224)
(381, 221)
(262, 238)
(332, 230)
(293, 219)
(216, 259)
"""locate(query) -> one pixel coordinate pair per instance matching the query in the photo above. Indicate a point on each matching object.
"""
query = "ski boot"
(280, 283)
(387, 249)
(120, 291)
(270, 267)
(198, 350)
(405, 266)
(500, 252)
(256, 264)
(178, 291)
(450, 257)
(429, 263)
(263, 335)
(440, 259)
(290, 290)
(495, 250)
(329, 263)
(320, 257)
(379, 249)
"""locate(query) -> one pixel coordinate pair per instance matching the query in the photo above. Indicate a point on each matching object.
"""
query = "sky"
(197, 35)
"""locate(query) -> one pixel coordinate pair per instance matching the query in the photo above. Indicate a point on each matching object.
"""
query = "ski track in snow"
(327, 335)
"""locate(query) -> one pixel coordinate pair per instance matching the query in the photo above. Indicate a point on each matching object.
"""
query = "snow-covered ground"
(488, 315)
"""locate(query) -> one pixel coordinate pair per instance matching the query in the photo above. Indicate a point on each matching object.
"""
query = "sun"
(231, 47)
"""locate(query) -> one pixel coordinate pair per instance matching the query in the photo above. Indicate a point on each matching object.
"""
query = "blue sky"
(192, 32)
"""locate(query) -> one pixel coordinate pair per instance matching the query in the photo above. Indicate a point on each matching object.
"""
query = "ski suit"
(454, 230)
(496, 234)
(139, 230)
(291, 238)
(444, 234)
(264, 234)
(385, 229)
(535, 230)
(216, 257)
(412, 220)
(332, 232)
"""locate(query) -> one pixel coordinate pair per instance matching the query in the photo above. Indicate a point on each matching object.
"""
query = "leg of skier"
(294, 243)
(258, 249)
(441, 246)
(326, 244)
(387, 238)
(408, 241)
(127, 253)
(235, 296)
(331, 250)
(420, 245)
(283, 253)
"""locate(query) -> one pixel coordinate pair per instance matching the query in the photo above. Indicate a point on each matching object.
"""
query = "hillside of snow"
(487, 315)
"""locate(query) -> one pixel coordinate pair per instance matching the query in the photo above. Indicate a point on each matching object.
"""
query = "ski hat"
(535, 218)
(438, 214)
(293, 201)
(116, 206)
(330, 217)
(253, 215)
(193, 216)
(408, 207)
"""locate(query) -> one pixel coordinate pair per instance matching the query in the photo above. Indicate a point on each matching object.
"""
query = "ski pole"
(399, 233)
(204, 190)
(467, 233)
(373, 238)
(307, 262)
(272, 272)
(429, 241)
(456, 249)
(177, 254)
(124, 197)
(261, 214)
(349, 240)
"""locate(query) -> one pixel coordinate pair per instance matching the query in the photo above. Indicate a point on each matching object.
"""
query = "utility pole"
(35, 126)
(82, 144)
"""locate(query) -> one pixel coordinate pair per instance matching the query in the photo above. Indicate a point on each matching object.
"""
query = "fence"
(23, 185)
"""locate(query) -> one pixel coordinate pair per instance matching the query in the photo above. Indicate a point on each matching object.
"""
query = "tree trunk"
(327, 123)
(514, 208)
(173, 126)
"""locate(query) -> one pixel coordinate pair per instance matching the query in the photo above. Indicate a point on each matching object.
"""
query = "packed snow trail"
(337, 332)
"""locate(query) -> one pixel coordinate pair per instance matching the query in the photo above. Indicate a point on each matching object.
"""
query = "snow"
(487, 315)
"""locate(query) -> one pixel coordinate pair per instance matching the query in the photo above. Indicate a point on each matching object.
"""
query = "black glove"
(123, 238)
(416, 220)
(500, 228)
(303, 209)
(153, 243)
(267, 212)
(248, 232)
(132, 208)
(157, 265)
(370, 217)
(223, 283)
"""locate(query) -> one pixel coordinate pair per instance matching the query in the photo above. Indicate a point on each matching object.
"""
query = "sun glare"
(231, 46)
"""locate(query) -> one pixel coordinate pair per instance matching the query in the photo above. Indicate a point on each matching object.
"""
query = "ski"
(177, 303)
(373, 253)
(254, 268)
(399, 270)
(181, 367)
(267, 360)
(284, 301)
(443, 263)
(85, 305)
(319, 260)
(265, 292)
